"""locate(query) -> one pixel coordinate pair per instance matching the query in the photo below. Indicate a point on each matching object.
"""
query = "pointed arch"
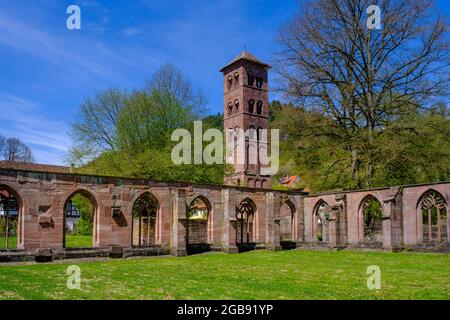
(251, 105)
(250, 78)
(90, 210)
(259, 107)
(288, 223)
(236, 106)
(200, 223)
(264, 184)
(433, 220)
(319, 221)
(236, 79)
(11, 218)
(230, 108)
(245, 217)
(145, 220)
(370, 213)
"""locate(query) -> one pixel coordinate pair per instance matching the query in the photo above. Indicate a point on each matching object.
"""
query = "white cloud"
(22, 118)
(41, 45)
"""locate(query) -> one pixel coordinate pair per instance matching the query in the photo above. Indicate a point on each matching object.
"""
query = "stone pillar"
(332, 226)
(332, 233)
(387, 222)
(229, 221)
(299, 219)
(273, 206)
(341, 219)
(178, 238)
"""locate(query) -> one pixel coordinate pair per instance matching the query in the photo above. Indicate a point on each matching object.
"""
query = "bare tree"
(94, 129)
(17, 151)
(174, 98)
(362, 78)
(2, 143)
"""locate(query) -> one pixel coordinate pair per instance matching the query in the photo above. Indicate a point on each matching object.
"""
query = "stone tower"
(246, 107)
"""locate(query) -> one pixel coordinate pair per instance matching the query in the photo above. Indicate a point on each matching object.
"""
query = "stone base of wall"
(288, 245)
(145, 251)
(197, 248)
(16, 256)
(80, 253)
(443, 248)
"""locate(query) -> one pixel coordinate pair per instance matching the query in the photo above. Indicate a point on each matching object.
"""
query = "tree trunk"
(355, 167)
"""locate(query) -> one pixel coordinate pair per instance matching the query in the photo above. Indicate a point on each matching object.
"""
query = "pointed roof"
(245, 55)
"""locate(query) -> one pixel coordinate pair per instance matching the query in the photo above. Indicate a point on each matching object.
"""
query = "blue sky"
(47, 70)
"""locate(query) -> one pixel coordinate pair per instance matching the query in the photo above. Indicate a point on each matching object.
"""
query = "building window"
(236, 105)
(251, 105)
(236, 79)
(433, 207)
(230, 82)
(230, 109)
(71, 210)
(145, 221)
(259, 134)
(370, 220)
(245, 216)
(259, 107)
(251, 79)
(9, 219)
(259, 81)
(264, 184)
(320, 221)
(251, 133)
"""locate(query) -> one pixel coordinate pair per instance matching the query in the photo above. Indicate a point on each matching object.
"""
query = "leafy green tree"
(141, 133)
(412, 148)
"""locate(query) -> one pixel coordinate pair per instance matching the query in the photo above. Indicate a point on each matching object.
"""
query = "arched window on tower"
(230, 82)
(259, 107)
(251, 105)
(251, 79)
(236, 105)
(259, 81)
(230, 109)
(252, 148)
(264, 184)
(259, 134)
(251, 132)
(236, 79)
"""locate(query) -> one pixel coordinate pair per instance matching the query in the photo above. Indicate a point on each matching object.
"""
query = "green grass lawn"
(12, 243)
(78, 241)
(292, 274)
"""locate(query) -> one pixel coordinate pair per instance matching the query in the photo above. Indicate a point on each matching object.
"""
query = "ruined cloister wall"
(43, 195)
(401, 214)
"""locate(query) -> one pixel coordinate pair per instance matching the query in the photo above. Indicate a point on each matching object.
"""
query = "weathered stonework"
(42, 197)
(246, 107)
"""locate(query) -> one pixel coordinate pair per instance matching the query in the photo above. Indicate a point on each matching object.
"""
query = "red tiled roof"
(245, 55)
(289, 180)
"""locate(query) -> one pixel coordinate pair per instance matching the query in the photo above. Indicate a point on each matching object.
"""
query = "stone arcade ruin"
(144, 217)
(237, 219)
